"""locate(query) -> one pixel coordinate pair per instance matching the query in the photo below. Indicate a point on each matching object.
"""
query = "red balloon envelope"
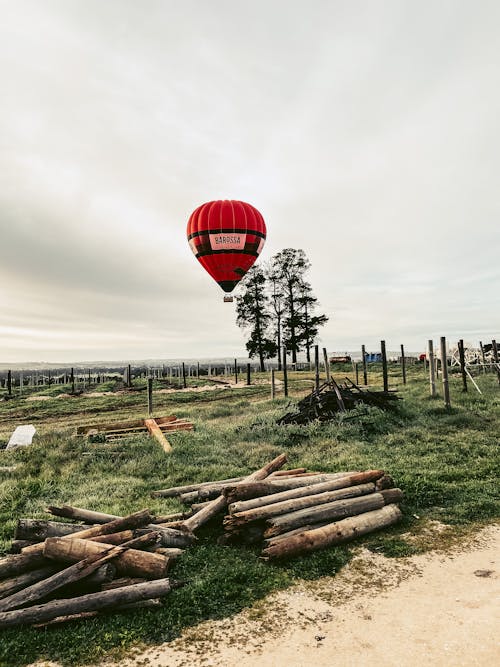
(226, 237)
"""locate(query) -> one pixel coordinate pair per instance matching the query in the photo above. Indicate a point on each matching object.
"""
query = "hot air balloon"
(226, 237)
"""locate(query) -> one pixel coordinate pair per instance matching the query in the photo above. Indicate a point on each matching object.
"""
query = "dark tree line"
(276, 307)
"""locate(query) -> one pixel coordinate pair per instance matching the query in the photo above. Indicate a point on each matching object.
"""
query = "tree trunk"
(219, 504)
(328, 512)
(37, 530)
(92, 602)
(178, 490)
(11, 586)
(131, 521)
(343, 480)
(169, 537)
(14, 565)
(306, 504)
(131, 562)
(334, 533)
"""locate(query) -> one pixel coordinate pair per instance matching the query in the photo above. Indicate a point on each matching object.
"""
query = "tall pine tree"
(253, 314)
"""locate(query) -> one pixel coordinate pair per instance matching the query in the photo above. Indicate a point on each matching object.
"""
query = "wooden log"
(169, 553)
(286, 473)
(384, 482)
(86, 566)
(250, 490)
(334, 533)
(333, 511)
(296, 531)
(122, 581)
(219, 504)
(92, 602)
(131, 562)
(14, 565)
(157, 433)
(259, 499)
(391, 496)
(38, 530)
(295, 504)
(174, 491)
(176, 516)
(169, 537)
(14, 584)
(16, 546)
(131, 521)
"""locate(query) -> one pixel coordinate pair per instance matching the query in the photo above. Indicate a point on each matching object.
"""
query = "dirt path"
(436, 609)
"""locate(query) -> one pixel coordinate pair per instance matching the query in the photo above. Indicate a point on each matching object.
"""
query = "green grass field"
(446, 462)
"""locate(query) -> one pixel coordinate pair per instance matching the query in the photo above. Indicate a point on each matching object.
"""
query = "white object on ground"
(22, 436)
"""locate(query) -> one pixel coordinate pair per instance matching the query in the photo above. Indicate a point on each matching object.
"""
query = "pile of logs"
(65, 571)
(330, 399)
(292, 512)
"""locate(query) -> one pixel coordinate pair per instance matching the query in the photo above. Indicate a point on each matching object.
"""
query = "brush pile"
(331, 398)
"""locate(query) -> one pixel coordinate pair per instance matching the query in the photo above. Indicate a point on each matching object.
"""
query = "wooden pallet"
(156, 427)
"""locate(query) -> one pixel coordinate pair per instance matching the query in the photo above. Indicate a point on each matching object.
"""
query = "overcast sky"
(366, 133)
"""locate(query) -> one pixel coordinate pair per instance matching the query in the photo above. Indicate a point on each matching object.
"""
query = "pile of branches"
(331, 399)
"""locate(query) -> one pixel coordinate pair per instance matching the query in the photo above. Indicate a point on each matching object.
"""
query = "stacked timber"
(295, 511)
(331, 399)
(68, 570)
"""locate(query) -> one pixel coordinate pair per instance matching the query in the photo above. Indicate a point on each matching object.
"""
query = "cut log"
(177, 516)
(296, 531)
(219, 504)
(329, 511)
(156, 432)
(121, 582)
(293, 471)
(311, 489)
(334, 533)
(174, 491)
(169, 553)
(250, 491)
(385, 482)
(92, 602)
(14, 584)
(16, 546)
(38, 530)
(293, 506)
(131, 521)
(131, 562)
(84, 568)
(14, 565)
(169, 536)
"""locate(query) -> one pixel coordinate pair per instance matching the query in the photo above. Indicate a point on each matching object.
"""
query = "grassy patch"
(445, 461)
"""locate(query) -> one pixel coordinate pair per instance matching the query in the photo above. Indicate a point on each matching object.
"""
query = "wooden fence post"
(9, 382)
(403, 363)
(316, 367)
(150, 396)
(248, 374)
(273, 384)
(72, 381)
(461, 354)
(184, 384)
(432, 368)
(444, 373)
(482, 356)
(384, 365)
(356, 370)
(495, 357)
(327, 365)
(285, 374)
(365, 370)
(129, 376)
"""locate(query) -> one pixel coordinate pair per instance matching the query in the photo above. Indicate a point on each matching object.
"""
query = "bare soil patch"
(435, 609)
